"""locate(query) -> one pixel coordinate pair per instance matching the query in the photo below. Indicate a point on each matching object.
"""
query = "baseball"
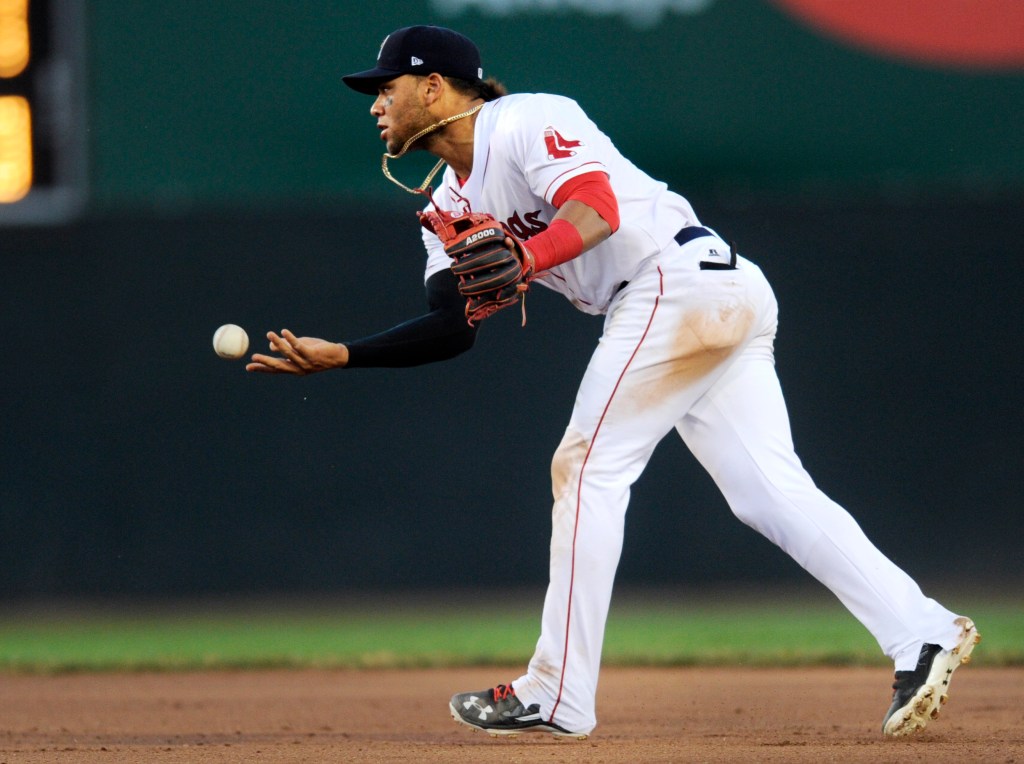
(230, 341)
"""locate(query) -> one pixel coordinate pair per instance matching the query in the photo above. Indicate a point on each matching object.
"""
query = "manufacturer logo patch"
(482, 711)
(484, 234)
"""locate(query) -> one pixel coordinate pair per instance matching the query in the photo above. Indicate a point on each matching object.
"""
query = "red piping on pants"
(579, 488)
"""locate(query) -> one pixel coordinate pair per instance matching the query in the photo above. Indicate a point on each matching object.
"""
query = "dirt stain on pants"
(568, 458)
(703, 340)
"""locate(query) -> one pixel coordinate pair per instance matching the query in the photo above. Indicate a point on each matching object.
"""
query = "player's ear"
(433, 86)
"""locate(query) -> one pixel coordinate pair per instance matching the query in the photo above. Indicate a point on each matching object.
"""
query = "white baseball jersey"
(526, 147)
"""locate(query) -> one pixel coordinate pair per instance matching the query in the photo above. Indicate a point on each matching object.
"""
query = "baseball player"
(534, 193)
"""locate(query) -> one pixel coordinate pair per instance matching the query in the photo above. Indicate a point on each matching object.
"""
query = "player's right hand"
(298, 355)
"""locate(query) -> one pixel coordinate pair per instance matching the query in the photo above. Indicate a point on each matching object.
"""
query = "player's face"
(400, 111)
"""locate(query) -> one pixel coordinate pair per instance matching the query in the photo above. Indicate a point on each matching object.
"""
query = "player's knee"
(567, 461)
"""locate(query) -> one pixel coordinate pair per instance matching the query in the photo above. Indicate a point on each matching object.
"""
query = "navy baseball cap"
(420, 50)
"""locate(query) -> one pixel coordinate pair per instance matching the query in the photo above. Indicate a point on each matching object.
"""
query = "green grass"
(405, 632)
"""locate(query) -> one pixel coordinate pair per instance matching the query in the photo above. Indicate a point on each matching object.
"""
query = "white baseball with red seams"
(683, 348)
(230, 341)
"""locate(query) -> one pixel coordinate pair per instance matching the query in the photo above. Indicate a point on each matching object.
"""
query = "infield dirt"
(645, 715)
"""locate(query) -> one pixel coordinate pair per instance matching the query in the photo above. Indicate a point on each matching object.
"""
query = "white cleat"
(918, 695)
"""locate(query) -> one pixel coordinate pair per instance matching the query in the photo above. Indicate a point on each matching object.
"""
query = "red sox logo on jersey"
(559, 147)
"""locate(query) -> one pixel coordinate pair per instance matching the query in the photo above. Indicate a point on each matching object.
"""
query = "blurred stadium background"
(169, 167)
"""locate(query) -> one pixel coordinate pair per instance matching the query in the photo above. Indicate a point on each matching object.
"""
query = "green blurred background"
(239, 103)
(222, 173)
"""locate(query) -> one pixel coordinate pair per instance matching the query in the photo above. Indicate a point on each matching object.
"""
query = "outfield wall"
(239, 102)
(137, 462)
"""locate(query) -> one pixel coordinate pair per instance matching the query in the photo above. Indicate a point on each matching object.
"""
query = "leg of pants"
(739, 431)
(693, 350)
(668, 336)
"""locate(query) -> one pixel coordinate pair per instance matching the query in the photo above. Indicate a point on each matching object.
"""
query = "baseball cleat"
(919, 694)
(499, 713)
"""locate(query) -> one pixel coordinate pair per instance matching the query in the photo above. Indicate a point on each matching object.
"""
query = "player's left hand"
(298, 355)
(494, 269)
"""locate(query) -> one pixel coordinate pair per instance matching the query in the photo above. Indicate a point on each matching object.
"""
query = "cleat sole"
(926, 704)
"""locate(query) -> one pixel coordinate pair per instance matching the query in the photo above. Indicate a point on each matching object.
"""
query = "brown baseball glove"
(493, 268)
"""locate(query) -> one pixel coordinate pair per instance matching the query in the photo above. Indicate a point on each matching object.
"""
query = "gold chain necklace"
(440, 162)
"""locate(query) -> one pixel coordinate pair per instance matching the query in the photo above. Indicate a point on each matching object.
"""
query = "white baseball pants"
(692, 349)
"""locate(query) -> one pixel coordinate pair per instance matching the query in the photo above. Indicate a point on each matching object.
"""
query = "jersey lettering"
(525, 226)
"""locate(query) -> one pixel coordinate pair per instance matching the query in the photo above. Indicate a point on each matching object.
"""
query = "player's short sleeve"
(557, 141)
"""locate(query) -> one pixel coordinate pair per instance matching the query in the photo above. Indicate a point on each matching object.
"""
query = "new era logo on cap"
(416, 61)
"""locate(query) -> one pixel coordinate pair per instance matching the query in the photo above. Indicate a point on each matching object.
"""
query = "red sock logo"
(559, 147)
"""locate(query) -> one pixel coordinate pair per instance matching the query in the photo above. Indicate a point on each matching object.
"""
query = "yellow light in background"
(13, 37)
(15, 148)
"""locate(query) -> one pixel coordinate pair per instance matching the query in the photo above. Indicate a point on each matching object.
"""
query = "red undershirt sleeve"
(595, 191)
(561, 242)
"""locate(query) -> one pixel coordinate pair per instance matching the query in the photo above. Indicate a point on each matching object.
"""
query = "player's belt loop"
(692, 232)
(688, 234)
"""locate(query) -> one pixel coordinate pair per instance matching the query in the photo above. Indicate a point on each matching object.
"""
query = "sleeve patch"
(558, 146)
